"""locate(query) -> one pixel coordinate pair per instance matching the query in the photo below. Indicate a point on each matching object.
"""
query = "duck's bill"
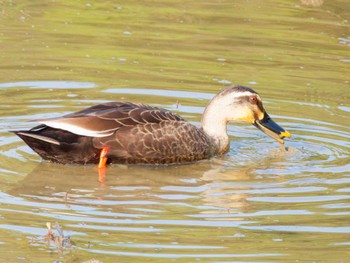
(271, 128)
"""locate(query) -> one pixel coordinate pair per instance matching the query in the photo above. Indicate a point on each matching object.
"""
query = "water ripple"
(257, 190)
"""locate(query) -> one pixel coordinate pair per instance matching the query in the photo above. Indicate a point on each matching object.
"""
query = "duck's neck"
(214, 125)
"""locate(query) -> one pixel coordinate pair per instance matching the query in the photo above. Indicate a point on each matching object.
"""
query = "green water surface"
(256, 204)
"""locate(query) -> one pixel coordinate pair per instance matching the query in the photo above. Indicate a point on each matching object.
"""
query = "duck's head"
(244, 104)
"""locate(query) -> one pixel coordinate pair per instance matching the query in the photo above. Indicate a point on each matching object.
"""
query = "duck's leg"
(102, 165)
(103, 157)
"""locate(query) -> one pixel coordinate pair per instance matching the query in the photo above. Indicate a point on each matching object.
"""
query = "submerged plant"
(60, 241)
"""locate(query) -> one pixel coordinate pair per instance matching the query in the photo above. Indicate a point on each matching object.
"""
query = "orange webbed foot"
(102, 165)
(103, 157)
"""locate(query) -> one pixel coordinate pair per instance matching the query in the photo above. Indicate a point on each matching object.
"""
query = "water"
(257, 204)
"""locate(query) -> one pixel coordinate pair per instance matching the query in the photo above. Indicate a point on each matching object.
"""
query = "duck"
(136, 133)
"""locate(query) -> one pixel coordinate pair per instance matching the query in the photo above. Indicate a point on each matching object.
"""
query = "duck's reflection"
(208, 186)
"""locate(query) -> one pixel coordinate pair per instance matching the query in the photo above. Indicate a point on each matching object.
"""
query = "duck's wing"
(104, 119)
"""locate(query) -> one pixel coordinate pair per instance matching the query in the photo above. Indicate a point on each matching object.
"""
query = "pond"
(255, 204)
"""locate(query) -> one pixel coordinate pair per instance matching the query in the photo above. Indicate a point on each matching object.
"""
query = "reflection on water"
(256, 204)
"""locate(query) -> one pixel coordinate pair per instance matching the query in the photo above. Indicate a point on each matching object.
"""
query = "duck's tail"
(59, 145)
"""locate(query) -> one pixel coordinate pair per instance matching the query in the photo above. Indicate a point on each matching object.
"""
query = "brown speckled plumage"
(158, 143)
(141, 134)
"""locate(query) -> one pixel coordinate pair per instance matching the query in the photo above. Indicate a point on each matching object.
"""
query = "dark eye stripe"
(245, 99)
(260, 106)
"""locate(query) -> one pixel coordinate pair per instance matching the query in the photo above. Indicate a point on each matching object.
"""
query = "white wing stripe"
(42, 138)
(77, 130)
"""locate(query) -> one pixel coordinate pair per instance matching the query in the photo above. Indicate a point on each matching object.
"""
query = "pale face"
(243, 104)
(251, 108)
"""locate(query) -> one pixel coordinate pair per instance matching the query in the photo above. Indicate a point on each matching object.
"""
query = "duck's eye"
(253, 100)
